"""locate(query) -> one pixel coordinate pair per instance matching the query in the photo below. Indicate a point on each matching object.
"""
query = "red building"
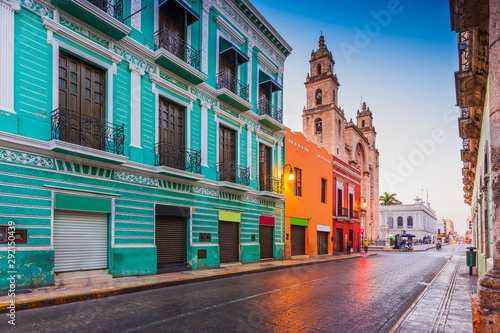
(348, 212)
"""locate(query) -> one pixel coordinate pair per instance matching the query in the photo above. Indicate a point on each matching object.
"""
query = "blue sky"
(400, 58)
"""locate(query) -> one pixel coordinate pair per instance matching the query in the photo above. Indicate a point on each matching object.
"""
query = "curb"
(86, 296)
(422, 250)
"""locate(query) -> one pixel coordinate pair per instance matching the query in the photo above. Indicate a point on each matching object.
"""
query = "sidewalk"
(55, 295)
(446, 304)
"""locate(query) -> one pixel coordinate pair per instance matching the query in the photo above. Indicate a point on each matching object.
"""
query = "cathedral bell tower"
(323, 121)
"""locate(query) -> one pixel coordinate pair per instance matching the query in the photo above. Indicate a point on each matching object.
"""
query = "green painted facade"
(41, 175)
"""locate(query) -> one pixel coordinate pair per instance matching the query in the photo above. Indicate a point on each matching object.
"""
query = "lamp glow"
(291, 176)
(365, 204)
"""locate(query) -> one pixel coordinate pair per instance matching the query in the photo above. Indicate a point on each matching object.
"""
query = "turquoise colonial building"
(138, 137)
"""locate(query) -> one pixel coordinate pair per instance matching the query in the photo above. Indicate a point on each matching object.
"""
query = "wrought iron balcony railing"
(354, 214)
(342, 212)
(112, 8)
(74, 127)
(231, 172)
(270, 184)
(266, 107)
(177, 157)
(227, 80)
(173, 43)
(465, 144)
(463, 51)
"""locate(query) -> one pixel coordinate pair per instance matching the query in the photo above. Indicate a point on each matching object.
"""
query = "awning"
(227, 46)
(192, 16)
(265, 79)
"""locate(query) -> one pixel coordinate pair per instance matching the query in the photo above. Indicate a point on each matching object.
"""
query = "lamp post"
(364, 204)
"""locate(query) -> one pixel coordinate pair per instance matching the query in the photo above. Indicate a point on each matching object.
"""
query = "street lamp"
(288, 167)
(364, 204)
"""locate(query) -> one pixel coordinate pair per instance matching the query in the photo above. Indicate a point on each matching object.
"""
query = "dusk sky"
(400, 58)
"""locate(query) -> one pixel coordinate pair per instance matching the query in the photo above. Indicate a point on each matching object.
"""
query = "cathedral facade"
(325, 124)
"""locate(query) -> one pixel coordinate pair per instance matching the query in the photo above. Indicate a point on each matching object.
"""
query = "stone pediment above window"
(226, 27)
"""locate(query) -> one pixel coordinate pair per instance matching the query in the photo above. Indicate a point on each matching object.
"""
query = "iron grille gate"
(229, 241)
(298, 240)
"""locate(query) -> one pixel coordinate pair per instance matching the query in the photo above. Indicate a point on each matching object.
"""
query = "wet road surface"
(368, 294)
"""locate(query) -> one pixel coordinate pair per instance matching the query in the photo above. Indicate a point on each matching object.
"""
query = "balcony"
(172, 53)
(354, 214)
(233, 176)
(270, 115)
(342, 212)
(270, 186)
(81, 135)
(178, 161)
(232, 91)
(104, 15)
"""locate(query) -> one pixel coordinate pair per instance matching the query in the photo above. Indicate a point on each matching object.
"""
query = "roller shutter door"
(266, 240)
(298, 240)
(80, 241)
(171, 240)
(229, 241)
(322, 242)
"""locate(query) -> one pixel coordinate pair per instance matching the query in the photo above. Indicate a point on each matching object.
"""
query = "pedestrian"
(365, 245)
(349, 246)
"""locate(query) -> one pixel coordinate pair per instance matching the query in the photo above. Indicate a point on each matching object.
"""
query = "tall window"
(409, 222)
(298, 182)
(339, 128)
(400, 222)
(340, 200)
(319, 68)
(318, 124)
(362, 123)
(319, 97)
(323, 190)
(390, 222)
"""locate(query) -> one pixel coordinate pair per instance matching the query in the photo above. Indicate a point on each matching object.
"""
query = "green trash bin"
(470, 258)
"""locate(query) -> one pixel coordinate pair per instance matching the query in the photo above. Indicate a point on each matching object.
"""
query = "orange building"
(309, 203)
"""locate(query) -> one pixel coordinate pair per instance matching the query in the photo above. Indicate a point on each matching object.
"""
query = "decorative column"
(486, 311)
(207, 5)
(251, 45)
(135, 113)
(250, 130)
(204, 133)
(7, 10)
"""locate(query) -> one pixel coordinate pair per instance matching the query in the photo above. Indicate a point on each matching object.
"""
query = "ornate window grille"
(463, 51)
(173, 43)
(74, 127)
(113, 8)
(231, 172)
(177, 157)
(227, 80)
(265, 107)
(270, 184)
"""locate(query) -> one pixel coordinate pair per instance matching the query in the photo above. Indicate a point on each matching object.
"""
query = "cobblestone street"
(369, 294)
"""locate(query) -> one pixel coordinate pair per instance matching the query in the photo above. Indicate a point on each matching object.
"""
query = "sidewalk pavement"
(446, 304)
(55, 295)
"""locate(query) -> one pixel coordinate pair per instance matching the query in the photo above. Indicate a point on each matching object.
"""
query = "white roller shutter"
(80, 241)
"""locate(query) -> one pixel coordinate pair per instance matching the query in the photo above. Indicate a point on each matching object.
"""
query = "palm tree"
(389, 199)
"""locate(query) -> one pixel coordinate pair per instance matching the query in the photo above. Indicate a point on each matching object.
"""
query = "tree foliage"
(389, 199)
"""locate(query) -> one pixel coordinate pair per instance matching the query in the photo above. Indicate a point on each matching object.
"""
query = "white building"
(418, 219)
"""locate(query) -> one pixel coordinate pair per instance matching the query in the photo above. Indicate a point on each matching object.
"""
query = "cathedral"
(325, 124)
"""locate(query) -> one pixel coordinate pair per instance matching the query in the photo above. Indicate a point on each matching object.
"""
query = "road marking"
(220, 305)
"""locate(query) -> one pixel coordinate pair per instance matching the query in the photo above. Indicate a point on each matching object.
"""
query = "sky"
(399, 57)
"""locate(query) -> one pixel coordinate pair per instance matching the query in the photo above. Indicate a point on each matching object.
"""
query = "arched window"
(409, 222)
(319, 68)
(390, 222)
(319, 97)
(400, 222)
(362, 123)
(318, 125)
